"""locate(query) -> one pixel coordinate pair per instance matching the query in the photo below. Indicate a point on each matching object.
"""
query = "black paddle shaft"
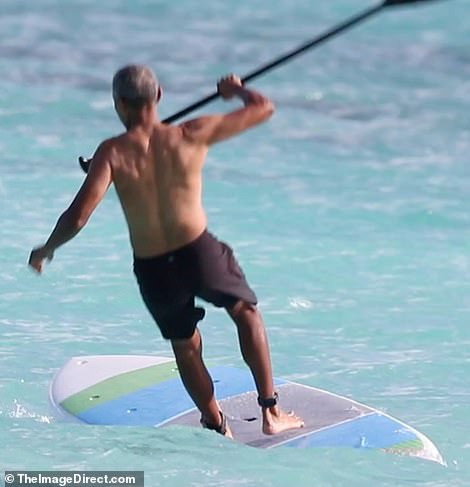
(283, 59)
(85, 163)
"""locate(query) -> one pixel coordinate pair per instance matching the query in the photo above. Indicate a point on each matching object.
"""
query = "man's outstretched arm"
(73, 219)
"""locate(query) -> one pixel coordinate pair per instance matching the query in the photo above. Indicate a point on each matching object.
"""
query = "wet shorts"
(205, 268)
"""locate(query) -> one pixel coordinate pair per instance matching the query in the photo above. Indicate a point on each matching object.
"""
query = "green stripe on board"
(411, 445)
(118, 386)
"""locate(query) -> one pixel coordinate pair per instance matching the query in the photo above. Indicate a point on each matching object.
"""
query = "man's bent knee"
(187, 345)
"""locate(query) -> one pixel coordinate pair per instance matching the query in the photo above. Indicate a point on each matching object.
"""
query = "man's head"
(134, 87)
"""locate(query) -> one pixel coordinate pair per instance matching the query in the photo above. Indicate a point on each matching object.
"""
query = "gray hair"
(136, 84)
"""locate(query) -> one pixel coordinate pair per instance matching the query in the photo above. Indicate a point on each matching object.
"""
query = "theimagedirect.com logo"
(79, 479)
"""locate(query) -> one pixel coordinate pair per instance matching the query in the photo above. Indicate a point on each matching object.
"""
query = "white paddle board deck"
(147, 391)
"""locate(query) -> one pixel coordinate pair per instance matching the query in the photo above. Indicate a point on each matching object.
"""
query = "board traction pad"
(317, 410)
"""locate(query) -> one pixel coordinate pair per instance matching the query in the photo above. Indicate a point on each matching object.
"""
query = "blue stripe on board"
(163, 401)
(369, 431)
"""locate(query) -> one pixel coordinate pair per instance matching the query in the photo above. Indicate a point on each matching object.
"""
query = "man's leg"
(255, 350)
(196, 378)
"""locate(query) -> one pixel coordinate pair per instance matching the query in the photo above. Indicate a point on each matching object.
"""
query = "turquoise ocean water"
(348, 211)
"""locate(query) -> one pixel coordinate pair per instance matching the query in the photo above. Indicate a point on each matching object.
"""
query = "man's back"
(157, 174)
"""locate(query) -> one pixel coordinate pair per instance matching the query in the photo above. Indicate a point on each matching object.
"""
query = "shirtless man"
(157, 171)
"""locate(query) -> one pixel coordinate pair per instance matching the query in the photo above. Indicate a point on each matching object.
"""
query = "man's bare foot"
(275, 421)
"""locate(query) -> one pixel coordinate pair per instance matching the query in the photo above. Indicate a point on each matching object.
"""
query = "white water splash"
(18, 411)
(300, 303)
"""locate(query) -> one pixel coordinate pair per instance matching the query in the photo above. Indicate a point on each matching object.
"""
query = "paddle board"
(141, 390)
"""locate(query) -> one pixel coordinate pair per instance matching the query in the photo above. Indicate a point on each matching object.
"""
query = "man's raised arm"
(211, 129)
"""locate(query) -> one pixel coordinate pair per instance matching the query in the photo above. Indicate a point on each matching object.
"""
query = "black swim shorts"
(205, 268)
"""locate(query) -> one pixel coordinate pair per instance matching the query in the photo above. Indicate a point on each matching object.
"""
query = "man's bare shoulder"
(108, 149)
(111, 142)
(116, 141)
(196, 130)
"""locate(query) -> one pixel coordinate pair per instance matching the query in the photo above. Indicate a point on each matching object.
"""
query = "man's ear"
(118, 103)
(160, 93)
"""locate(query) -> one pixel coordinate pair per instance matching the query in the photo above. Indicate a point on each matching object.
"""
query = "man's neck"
(144, 119)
